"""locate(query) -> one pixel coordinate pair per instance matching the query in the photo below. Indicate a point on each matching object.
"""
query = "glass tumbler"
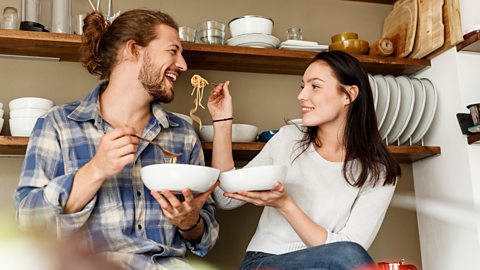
(10, 19)
(294, 33)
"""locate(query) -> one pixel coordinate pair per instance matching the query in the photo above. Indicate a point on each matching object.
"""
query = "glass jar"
(10, 19)
(294, 33)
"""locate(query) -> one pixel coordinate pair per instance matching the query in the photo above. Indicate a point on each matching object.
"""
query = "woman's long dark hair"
(361, 137)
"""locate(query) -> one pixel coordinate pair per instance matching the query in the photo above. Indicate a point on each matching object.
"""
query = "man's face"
(162, 64)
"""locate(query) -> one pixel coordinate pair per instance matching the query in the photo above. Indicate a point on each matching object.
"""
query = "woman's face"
(321, 100)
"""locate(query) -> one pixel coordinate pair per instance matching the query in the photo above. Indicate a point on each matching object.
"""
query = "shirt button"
(139, 226)
(139, 193)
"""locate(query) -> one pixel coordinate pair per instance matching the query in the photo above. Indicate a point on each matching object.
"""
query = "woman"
(340, 180)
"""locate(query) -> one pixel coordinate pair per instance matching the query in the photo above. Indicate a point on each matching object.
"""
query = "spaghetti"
(198, 84)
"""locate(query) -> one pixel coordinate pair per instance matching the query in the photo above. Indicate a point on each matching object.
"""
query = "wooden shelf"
(471, 44)
(389, 2)
(403, 154)
(203, 56)
(474, 138)
(241, 151)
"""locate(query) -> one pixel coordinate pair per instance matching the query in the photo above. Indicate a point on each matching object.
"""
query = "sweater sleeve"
(366, 216)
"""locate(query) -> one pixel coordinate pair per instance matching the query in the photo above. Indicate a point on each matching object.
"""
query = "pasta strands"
(198, 84)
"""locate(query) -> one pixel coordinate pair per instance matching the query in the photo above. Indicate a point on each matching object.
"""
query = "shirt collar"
(89, 109)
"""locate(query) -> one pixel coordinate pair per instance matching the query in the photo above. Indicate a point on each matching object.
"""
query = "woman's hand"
(220, 102)
(277, 197)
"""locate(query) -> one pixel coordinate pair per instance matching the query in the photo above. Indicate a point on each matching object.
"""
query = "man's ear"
(131, 51)
(352, 94)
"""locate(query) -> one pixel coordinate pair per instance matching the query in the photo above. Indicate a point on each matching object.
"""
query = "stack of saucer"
(303, 45)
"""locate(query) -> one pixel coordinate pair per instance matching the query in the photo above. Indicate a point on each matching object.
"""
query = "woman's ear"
(352, 94)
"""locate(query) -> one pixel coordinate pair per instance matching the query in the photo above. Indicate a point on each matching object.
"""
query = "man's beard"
(154, 82)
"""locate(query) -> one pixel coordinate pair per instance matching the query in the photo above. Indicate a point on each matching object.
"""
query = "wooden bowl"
(344, 36)
(351, 46)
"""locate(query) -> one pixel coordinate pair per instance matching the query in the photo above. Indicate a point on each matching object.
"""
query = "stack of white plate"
(254, 40)
(24, 113)
(1, 116)
(405, 107)
(302, 45)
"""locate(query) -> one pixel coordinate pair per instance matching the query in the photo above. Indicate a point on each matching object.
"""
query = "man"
(82, 167)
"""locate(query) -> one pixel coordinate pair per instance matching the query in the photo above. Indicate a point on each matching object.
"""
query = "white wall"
(450, 177)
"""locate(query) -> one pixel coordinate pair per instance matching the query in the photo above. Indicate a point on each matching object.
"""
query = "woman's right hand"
(220, 102)
(115, 150)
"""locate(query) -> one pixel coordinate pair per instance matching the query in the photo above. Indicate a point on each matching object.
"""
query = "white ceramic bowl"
(250, 24)
(22, 113)
(22, 126)
(30, 102)
(1, 124)
(253, 178)
(176, 177)
(1, 113)
(184, 117)
(240, 133)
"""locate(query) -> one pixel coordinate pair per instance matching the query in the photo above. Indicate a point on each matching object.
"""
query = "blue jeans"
(334, 256)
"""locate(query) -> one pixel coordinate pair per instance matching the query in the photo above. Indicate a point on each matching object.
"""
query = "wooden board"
(400, 26)
(430, 30)
(453, 27)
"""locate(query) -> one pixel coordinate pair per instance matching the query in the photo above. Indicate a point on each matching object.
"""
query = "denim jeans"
(333, 256)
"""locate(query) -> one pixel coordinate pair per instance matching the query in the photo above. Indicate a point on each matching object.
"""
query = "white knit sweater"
(318, 187)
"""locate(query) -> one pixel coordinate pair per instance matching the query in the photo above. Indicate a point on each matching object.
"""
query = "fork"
(173, 156)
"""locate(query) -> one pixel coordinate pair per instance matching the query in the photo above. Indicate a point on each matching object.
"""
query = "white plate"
(393, 107)
(418, 108)
(318, 48)
(405, 110)
(429, 112)
(373, 86)
(294, 42)
(383, 99)
(254, 40)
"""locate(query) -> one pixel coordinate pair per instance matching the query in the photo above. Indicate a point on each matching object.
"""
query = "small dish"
(252, 178)
(254, 40)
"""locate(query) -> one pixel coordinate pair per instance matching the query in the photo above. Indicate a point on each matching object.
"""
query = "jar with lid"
(10, 18)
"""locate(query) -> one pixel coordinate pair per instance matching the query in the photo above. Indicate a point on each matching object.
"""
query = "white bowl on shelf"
(27, 113)
(30, 102)
(176, 177)
(250, 24)
(22, 126)
(240, 133)
(253, 178)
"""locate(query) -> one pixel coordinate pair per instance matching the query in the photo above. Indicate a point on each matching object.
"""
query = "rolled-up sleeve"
(44, 186)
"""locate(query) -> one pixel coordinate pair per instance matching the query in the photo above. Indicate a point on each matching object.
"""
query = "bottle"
(61, 16)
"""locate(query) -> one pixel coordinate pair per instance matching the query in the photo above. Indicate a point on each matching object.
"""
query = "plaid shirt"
(123, 219)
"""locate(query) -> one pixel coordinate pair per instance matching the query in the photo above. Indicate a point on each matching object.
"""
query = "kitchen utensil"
(240, 133)
(61, 16)
(254, 40)
(352, 46)
(173, 156)
(418, 108)
(31, 10)
(429, 111)
(206, 25)
(187, 33)
(294, 33)
(382, 47)
(176, 177)
(344, 36)
(393, 108)
(401, 265)
(252, 178)
(10, 19)
(400, 26)
(430, 30)
(250, 24)
(452, 27)
(475, 113)
(30, 102)
(78, 24)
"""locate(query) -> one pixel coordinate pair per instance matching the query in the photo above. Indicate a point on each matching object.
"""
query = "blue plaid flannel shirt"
(123, 219)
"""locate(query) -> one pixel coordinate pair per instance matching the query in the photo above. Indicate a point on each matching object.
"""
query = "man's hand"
(116, 149)
(184, 214)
